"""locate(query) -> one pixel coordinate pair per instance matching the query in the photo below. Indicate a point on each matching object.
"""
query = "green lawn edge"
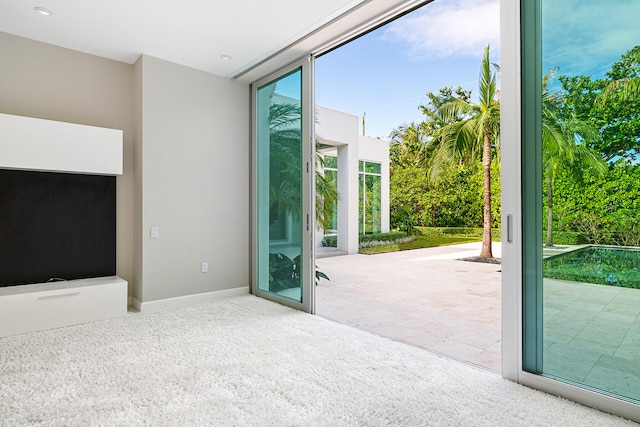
(419, 243)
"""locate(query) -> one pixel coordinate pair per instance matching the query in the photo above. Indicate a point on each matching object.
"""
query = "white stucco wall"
(335, 127)
(341, 130)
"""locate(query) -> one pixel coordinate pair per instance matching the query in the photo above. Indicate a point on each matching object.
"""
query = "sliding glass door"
(581, 194)
(283, 182)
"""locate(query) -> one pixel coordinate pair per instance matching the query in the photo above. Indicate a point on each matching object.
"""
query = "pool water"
(597, 264)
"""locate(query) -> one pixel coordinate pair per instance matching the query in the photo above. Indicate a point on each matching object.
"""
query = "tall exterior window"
(581, 194)
(331, 175)
(370, 197)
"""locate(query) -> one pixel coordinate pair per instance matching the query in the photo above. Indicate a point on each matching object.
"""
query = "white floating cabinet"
(37, 307)
(28, 143)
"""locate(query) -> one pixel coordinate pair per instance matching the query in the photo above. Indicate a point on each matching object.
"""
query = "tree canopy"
(591, 164)
(617, 119)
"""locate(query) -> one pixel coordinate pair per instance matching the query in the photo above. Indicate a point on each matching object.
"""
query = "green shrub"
(332, 241)
(566, 238)
(382, 237)
(457, 231)
(398, 241)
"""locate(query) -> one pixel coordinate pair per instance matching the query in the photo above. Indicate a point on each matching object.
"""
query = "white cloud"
(449, 28)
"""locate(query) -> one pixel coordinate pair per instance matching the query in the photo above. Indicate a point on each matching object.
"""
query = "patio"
(423, 297)
(592, 335)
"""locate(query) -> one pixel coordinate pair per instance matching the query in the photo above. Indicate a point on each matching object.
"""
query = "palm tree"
(285, 137)
(564, 146)
(284, 178)
(409, 145)
(623, 89)
(470, 128)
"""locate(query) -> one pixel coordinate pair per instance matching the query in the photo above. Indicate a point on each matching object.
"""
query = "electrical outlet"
(205, 267)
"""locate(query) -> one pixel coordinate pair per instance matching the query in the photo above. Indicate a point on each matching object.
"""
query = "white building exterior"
(338, 134)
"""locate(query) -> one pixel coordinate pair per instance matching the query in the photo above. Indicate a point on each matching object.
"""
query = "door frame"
(306, 65)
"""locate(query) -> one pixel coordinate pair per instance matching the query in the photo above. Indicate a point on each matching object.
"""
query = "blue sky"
(587, 36)
(388, 72)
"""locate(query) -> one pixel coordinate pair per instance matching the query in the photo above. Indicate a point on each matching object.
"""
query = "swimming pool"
(604, 265)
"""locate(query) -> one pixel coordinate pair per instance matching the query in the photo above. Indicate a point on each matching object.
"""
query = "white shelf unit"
(41, 306)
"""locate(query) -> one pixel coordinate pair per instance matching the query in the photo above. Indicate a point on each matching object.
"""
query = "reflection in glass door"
(283, 214)
(581, 166)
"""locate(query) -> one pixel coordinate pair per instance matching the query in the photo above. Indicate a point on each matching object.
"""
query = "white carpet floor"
(246, 361)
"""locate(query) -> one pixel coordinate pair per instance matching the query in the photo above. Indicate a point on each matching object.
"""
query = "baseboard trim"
(187, 299)
(135, 304)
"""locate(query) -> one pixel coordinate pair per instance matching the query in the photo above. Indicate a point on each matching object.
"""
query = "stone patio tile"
(423, 297)
(597, 346)
(420, 339)
(477, 338)
(617, 318)
(628, 297)
(602, 334)
(457, 350)
(619, 307)
(630, 348)
(563, 327)
(616, 375)
(488, 359)
(569, 362)
(364, 318)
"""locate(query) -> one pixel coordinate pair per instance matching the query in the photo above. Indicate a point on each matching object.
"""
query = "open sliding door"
(283, 179)
(580, 299)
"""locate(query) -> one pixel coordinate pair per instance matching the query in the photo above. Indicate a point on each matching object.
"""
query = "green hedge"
(460, 231)
(566, 238)
(559, 237)
(332, 241)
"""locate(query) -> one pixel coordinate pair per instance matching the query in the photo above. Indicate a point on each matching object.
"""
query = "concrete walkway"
(424, 297)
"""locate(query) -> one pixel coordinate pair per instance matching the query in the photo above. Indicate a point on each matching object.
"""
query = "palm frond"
(621, 90)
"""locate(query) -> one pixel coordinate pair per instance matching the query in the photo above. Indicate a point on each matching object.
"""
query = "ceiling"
(194, 33)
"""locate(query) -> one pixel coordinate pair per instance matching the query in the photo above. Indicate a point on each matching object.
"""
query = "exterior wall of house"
(341, 130)
(335, 127)
(48, 82)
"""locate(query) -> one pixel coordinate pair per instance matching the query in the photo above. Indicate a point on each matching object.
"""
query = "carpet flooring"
(246, 361)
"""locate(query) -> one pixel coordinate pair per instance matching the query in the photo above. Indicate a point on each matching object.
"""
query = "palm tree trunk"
(486, 164)
(549, 213)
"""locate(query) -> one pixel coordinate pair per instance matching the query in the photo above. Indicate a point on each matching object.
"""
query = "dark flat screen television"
(56, 226)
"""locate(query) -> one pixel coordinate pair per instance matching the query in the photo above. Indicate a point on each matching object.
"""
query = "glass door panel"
(582, 182)
(283, 253)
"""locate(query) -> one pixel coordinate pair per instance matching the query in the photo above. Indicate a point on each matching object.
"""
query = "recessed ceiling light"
(226, 57)
(43, 11)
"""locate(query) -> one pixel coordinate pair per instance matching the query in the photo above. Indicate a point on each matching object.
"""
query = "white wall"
(194, 181)
(335, 127)
(49, 82)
